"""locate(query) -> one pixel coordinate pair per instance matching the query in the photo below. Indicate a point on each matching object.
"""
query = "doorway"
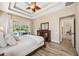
(67, 29)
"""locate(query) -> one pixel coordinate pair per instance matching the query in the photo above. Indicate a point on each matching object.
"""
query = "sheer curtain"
(9, 25)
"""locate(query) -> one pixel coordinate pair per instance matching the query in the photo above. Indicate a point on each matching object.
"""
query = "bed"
(26, 45)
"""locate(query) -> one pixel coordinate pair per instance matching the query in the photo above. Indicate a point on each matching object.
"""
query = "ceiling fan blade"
(33, 6)
(37, 7)
(33, 2)
(27, 3)
(33, 10)
(28, 8)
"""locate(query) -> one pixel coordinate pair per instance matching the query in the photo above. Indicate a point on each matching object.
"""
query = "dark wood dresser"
(45, 33)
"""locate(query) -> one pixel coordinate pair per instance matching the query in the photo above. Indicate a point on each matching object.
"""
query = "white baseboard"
(55, 41)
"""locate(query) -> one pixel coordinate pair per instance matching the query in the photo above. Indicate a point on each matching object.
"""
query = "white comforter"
(26, 45)
(38, 39)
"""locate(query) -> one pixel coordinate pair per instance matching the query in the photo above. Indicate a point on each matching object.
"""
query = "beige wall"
(53, 19)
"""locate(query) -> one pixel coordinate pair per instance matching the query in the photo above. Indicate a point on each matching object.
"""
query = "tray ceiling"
(19, 8)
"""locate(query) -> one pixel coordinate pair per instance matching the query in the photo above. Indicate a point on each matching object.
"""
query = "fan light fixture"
(33, 6)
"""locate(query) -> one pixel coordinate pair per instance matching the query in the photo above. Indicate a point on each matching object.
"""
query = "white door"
(72, 31)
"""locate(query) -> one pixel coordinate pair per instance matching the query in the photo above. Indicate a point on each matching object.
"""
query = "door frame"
(74, 27)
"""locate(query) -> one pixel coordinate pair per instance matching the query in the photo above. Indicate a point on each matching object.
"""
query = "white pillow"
(2, 41)
(10, 40)
(16, 38)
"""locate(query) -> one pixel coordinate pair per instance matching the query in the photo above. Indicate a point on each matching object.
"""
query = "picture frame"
(44, 26)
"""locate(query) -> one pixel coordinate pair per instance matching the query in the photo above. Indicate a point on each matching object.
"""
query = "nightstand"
(46, 34)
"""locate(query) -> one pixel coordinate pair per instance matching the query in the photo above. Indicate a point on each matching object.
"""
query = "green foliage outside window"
(17, 28)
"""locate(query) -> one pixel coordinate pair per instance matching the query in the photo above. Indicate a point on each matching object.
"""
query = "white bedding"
(26, 45)
(38, 39)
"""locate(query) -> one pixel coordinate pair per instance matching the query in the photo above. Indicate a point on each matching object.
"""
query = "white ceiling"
(19, 8)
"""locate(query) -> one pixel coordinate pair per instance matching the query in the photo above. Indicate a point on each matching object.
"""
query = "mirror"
(44, 26)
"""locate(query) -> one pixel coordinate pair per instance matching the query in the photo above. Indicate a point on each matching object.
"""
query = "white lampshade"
(1, 29)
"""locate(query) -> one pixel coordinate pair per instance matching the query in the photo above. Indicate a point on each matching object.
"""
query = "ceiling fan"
(33, 6)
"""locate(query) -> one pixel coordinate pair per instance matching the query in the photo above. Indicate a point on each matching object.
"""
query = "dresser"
(45, 33)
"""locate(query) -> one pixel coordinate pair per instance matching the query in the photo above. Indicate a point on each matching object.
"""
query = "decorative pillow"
(17, 39)
(10, 40)
(2, 41)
